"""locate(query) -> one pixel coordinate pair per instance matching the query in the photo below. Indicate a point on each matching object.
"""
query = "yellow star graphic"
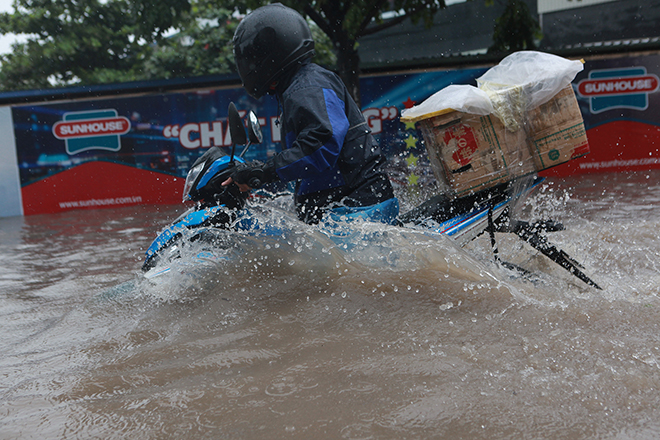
(409, 125)
(411, 160)
(412, 179)
(411, 141)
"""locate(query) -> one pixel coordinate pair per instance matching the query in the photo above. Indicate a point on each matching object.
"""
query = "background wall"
(89, 166)
(10, 187)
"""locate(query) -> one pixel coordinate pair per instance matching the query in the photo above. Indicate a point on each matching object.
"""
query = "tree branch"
(320, 21)
(385, 25)
(369, 16)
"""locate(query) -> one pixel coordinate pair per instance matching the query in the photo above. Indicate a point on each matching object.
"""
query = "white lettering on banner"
(619, 163)
(376, 116)
(101, 202)
(227, 140)
(171, 131)
(96, 127)
(613, 86)
(275, 132)
(373, 119)
(619, 86)
(184, 136)
(195, 135)
(207, 134)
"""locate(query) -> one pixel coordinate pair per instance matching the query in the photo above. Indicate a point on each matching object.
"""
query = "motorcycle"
(219, 209)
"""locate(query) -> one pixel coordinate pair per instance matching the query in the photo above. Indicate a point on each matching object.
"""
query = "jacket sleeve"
(316, 125)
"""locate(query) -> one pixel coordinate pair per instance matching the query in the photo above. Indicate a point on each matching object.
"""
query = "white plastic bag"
(520, 82)
(462, 98)
(540, 75)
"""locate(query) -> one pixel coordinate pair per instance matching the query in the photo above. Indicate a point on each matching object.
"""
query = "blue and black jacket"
(328, 147)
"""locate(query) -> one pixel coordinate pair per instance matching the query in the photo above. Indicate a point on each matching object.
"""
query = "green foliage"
(201, 47)
(325, 55)
(98, 41)
(344, 22)
(516, 29)
(102, 41)
(83, 41)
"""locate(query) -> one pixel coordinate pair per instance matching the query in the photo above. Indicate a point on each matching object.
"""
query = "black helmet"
(266, 42)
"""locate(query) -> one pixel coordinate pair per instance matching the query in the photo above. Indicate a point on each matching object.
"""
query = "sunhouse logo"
(90, 130)
(618, 88)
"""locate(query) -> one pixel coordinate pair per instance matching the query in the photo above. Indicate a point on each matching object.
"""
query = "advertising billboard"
(125, 150)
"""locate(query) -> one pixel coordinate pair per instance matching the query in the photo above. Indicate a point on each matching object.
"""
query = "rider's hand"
(251, 175)
(242, 187)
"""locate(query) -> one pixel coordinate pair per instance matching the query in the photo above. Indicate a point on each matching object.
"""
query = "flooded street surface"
(409, 338)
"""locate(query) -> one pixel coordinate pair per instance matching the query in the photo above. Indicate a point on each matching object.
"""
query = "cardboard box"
(556, 130)
(471, 152)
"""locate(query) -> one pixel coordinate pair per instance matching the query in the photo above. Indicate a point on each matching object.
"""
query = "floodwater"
(403, 337)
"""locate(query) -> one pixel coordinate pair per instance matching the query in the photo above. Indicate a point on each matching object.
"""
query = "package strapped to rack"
(522, 118)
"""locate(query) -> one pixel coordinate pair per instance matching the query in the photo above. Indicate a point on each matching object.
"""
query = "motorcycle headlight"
(193, 174)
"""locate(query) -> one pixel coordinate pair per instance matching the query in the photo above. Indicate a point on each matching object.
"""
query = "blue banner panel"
(156, 137)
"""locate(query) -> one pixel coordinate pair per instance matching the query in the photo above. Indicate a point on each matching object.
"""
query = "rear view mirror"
(236, 127)
(254, 129)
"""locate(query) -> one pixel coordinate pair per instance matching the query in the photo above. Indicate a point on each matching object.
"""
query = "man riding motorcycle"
(328, 146)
